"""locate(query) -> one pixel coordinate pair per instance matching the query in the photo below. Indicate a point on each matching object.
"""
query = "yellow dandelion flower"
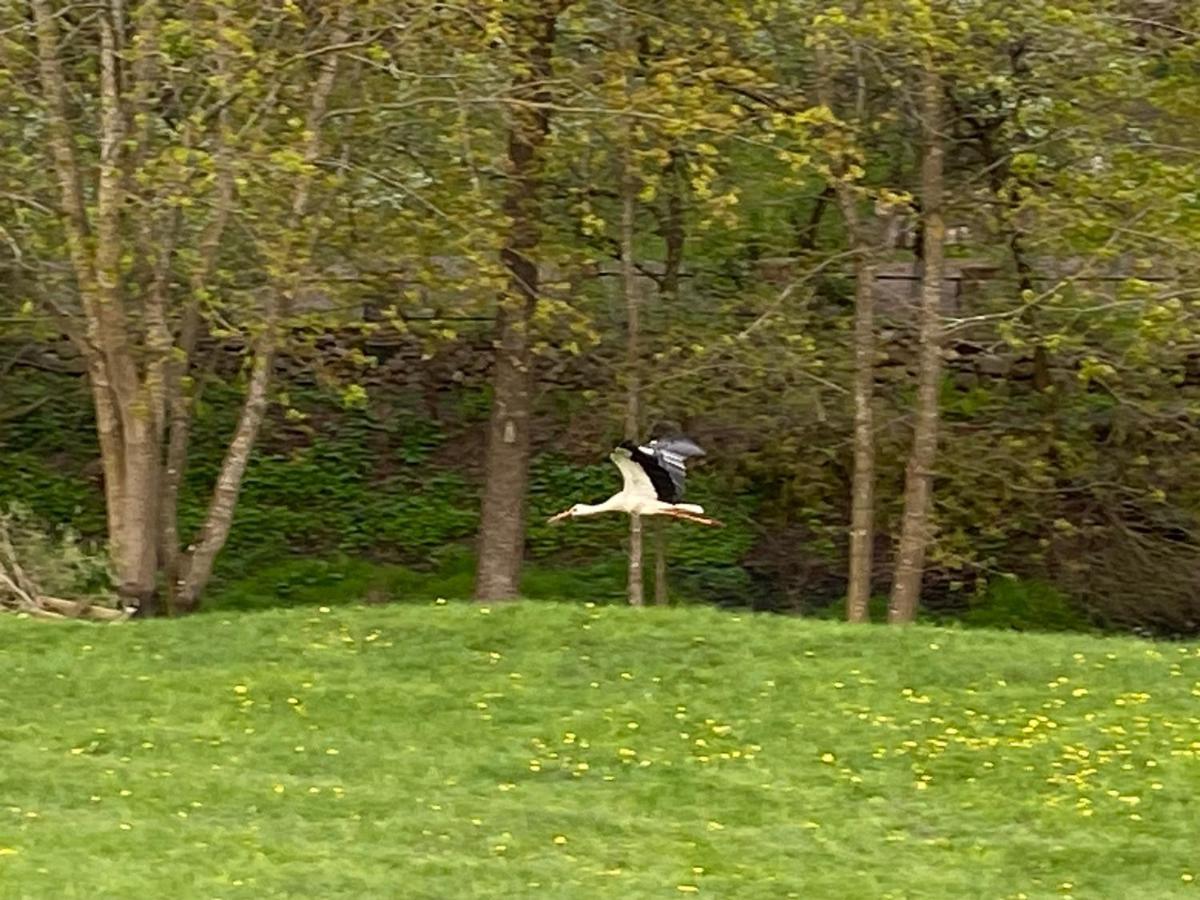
(240, 689)
(827, 757)
(560, 839)
(687, 888)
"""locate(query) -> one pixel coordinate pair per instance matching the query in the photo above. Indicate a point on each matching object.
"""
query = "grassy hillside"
(564, 751)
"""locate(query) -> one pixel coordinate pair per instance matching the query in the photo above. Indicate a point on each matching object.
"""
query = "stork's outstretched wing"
(664, 462)
(637, 480)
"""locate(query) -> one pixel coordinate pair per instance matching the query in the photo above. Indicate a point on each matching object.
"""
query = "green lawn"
(552, 750)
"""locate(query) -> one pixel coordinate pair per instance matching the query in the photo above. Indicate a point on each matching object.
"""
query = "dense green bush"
(1024, 606)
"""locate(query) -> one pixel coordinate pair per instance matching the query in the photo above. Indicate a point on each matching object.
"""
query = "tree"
(506, 466)
(918, 481)
(148, 162)
(846, 169)
(630, 293)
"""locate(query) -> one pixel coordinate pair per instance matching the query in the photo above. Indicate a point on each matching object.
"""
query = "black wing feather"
(665, 462)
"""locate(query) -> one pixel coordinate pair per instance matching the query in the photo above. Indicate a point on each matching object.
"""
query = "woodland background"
(307, 300)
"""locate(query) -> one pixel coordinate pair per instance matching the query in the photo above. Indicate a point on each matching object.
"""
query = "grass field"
(553, 750)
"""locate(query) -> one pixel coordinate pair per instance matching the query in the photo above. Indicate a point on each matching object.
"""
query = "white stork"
(654, 474)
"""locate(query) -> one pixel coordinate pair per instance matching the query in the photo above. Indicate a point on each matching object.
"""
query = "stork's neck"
(612, 504)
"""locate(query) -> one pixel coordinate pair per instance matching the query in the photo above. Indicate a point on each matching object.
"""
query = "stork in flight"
(654, 474)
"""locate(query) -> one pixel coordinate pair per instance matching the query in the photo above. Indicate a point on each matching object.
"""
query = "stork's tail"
(690, 507)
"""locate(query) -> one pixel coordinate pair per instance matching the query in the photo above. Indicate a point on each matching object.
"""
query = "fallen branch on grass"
(20, 594)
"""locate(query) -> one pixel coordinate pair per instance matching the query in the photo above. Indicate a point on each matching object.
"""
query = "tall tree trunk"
(125, 421)
(918, 482)
(862, 488)
(629, 293)
(674, 236)
(180, 391)
(506, 466)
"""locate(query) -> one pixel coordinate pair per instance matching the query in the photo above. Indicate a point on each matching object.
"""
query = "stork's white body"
(639, 495)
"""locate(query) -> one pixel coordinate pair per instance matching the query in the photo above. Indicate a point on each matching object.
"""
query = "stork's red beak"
(565, 514)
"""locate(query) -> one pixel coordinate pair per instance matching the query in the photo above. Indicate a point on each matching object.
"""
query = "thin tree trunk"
(180, 395)
(918, 483)
(671, 228)
(862, 488)
(195, 573)
(662, 595)
(134, 544)
(1009, 200)
(506, 466)
(629, 293)
(808, 231)
(674, 237)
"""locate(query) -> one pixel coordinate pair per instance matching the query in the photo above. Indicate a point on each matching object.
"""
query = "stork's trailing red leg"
(695, 517)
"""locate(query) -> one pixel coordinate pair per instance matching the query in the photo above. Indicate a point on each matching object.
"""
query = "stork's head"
(577, 510)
